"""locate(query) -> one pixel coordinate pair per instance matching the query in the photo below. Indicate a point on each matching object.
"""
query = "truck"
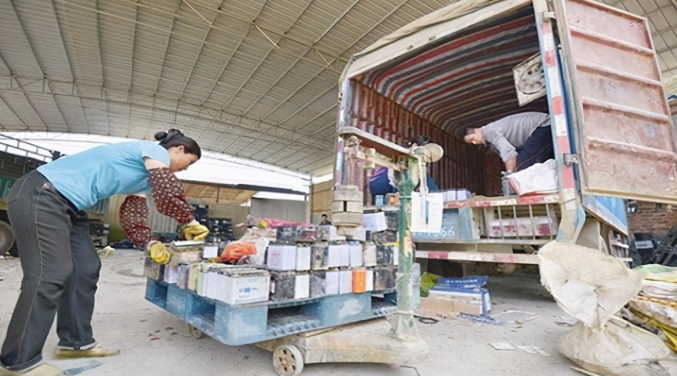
(17, 158)
(592, 67)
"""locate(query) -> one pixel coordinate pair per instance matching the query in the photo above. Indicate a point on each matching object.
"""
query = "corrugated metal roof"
(251, 78)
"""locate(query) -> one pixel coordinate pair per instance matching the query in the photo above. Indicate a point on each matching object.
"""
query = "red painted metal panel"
(621, 113)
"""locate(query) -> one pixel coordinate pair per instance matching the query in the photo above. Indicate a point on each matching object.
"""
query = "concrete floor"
(154, 342)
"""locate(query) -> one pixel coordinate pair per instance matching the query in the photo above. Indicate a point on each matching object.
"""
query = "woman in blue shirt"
(59, 262)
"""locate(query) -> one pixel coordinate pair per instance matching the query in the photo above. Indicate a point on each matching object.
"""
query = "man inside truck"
(521, 140)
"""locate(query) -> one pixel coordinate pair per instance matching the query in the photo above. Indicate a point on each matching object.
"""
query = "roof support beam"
(334, 60)
(202, 46)
(310, 48)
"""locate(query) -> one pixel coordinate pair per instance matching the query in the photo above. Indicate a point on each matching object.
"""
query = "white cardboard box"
(346, 282)
(302, 286)
(374, 222)
(356, 255)
(246, 289)
(333, 281)
(344, 255)
(338, 255)
(370, 280)
(281, 257)
(171, 273)
(369, 255)
(303, 258)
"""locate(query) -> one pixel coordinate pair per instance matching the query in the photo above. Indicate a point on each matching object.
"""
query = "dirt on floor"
(154, 342)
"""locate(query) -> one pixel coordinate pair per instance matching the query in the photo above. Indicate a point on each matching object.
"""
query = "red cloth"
(168, 195)
(133, 215)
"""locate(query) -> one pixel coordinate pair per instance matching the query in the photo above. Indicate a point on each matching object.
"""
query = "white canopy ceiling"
(256, 79)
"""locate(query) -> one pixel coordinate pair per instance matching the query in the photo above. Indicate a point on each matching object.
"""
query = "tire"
(288, 360)
(6, 238)
(195, 332)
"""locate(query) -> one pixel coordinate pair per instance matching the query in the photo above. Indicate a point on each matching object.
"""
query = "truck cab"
(591, 67)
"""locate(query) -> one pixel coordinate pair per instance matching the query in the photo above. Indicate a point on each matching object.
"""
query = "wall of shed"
(320, 200)
(279, 209)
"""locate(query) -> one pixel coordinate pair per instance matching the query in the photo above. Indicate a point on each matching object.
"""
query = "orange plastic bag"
(236, 250)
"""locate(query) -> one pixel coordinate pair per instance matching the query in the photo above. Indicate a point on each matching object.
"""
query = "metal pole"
(403, 323)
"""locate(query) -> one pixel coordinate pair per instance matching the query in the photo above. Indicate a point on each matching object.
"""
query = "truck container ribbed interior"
(464, 80)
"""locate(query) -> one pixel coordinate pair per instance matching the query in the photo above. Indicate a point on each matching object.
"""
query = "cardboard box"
(374, 222)
(171, 274)
(318, 283)
(329, 234)
(468, 282)
(369, 254)
(369, 280)
(244, 285)
(307, 234)
(333, 282)
(346, 281)
(288, 234)
(193, 276)
(319, 256)
(282, 286)
(392, 217)
(440, 306)
(185, 252)
(325, 282)
(303, 258)
(302, 287)
(153, 270)
(286, 286)
(356, 249)
(456, 195)
(383, 237)
(478, 298)
(281, 257)
(182, 276)
(385, 254)
(384, 278)
(338, 255)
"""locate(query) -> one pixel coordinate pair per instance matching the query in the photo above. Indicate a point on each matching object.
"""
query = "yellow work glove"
(195, 231)
(159, 253)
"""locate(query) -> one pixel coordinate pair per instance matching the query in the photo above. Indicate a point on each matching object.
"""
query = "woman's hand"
(195, 231)
(159, 253)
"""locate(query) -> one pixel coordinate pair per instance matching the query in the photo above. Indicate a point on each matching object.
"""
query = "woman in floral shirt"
(59, 262)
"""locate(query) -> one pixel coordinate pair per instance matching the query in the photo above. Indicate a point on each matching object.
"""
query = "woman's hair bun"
(165, 137)
(160, 136)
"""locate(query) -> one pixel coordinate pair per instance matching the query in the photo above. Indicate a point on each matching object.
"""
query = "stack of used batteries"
(312, 262)
(289, 260)
(384, 240)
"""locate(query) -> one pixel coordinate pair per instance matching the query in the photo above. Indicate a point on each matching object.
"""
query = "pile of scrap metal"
(596, 288)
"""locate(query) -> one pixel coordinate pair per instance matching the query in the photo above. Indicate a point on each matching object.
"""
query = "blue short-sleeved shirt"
(98, 173)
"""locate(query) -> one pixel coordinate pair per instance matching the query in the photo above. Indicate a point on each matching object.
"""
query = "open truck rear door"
(625, 139)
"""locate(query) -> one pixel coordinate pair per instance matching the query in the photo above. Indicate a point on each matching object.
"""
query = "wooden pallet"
(252, 323)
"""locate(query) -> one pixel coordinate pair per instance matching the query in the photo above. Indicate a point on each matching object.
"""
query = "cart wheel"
(288, 360)
(195, 332)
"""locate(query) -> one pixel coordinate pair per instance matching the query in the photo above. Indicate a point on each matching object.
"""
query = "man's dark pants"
(537, 149)
(60, 272)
